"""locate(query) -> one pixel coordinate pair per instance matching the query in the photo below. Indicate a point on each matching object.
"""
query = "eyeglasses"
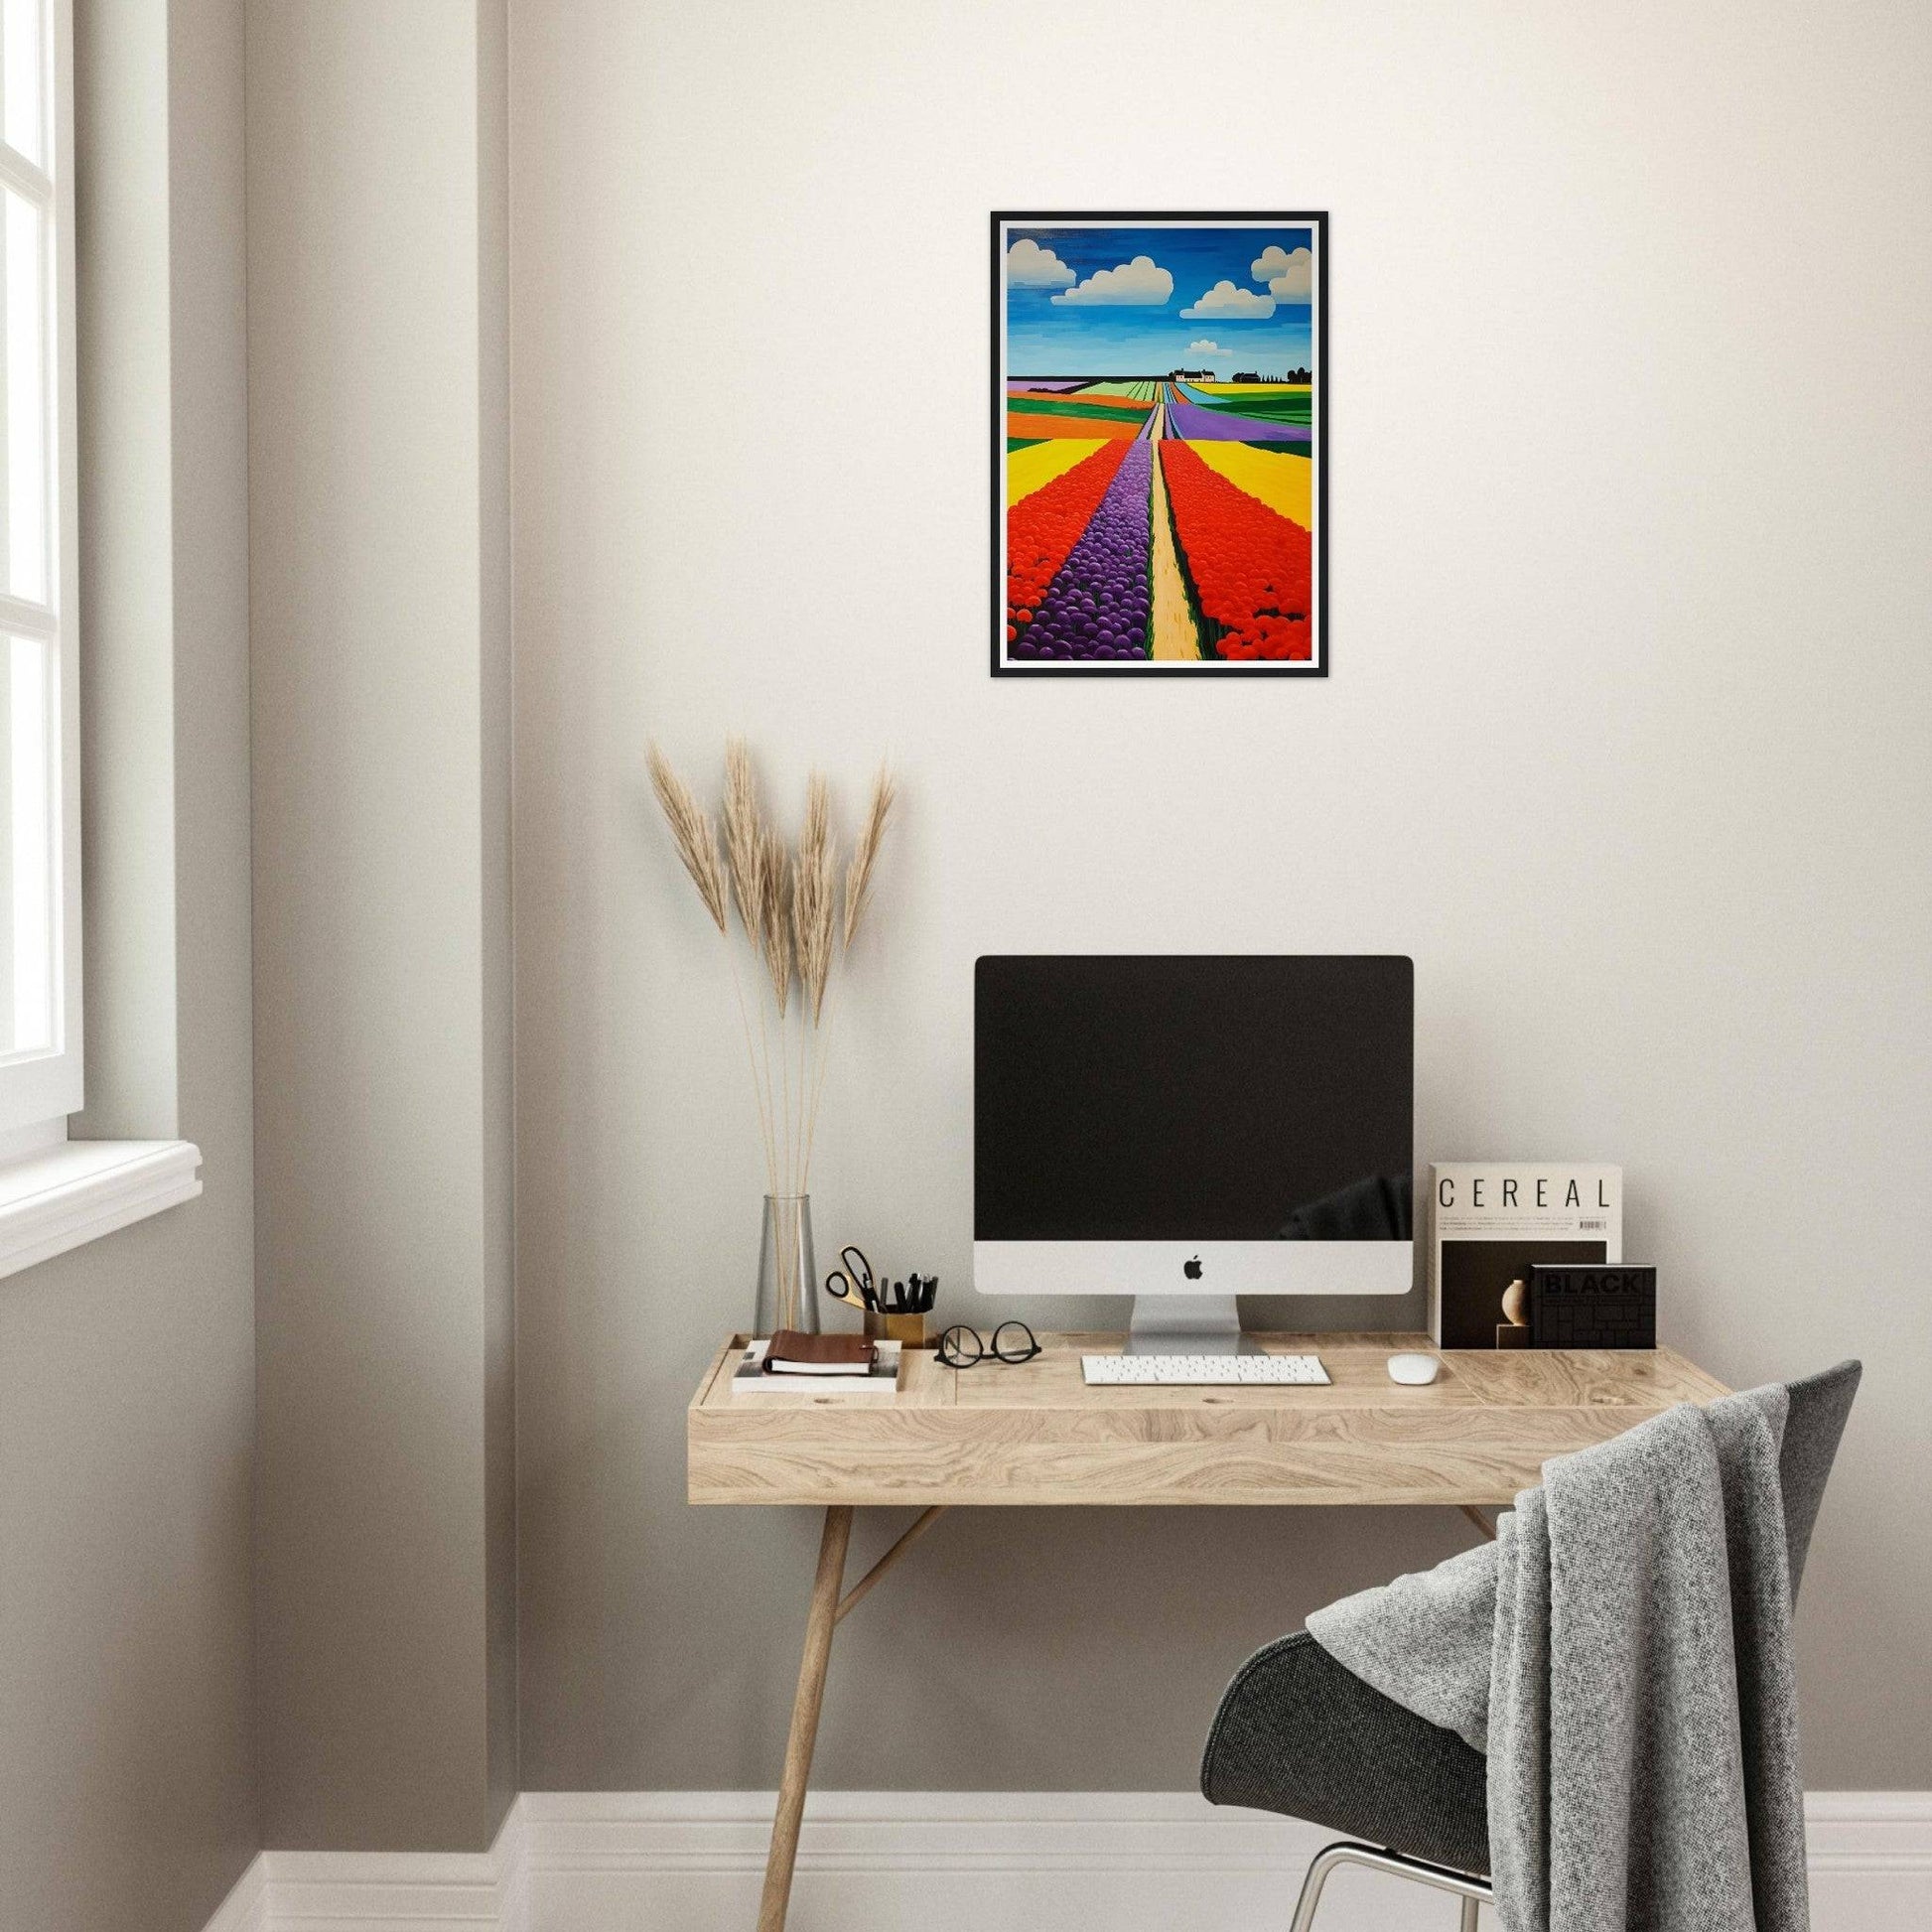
(963, 1348)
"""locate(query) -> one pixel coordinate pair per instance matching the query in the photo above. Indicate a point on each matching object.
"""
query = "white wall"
(1626, 742)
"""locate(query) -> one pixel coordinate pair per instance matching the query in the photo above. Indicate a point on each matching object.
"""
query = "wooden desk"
(1035, 1433)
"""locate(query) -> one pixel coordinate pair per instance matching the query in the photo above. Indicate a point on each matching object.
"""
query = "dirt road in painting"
(1175, 634)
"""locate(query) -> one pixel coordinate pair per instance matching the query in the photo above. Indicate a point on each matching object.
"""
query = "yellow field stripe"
(1033, 468)
(1252, 388)
(1283, 483)
(1174, 632)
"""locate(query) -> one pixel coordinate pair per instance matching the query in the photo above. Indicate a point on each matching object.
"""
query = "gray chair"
(1298, 1733)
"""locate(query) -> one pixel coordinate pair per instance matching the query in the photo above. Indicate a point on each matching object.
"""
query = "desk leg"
(819, 1622)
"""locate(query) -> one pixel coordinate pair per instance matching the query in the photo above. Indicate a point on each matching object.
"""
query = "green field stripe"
(1023, 442)
(1094, 412)
(1118, 417)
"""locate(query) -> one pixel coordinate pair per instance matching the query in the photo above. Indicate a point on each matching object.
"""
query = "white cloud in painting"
(1290, 275)
(1225, 303)
(1204, 348)
(1138, 284)
(1029, 266)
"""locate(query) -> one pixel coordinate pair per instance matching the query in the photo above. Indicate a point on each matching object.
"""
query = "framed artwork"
(1159, 445)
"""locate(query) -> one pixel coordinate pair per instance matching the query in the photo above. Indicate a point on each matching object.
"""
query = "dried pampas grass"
(813, 896)
(692, 831)
(871, 834)
(775, 917)
(788, 906)
(744, 838)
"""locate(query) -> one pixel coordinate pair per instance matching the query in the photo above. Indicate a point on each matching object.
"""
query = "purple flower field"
(1097, 606)
(1198, 425)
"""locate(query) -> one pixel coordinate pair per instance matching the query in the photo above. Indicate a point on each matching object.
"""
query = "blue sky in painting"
(1065, 323)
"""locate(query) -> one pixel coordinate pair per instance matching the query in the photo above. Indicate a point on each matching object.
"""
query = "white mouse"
(1414, 1370)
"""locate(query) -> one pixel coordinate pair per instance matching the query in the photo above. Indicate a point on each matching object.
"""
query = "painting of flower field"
(1159, 444)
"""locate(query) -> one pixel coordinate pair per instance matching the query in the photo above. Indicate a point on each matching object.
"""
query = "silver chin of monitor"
(1184, 1293)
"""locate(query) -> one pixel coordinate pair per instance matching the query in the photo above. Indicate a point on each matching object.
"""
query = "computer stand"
(1186, 1325)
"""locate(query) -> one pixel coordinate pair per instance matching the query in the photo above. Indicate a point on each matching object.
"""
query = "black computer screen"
(1193, 1097)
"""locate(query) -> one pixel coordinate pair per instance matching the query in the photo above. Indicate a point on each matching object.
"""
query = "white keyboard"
(1204, 1371)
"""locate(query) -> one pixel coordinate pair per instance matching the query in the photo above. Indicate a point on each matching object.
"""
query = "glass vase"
(787, 1269)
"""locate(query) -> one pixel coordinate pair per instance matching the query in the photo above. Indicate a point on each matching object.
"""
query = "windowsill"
(77, 1191)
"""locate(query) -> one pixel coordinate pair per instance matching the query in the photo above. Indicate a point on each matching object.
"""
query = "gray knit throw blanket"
(1623, 1652)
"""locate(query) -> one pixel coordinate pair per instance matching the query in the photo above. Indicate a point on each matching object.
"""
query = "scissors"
(852, 1282)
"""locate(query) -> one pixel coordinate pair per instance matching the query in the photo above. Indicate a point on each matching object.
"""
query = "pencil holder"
(909, 1330)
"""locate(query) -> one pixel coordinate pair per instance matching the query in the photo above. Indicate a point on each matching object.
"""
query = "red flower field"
(1041, 529)
(1250, 567)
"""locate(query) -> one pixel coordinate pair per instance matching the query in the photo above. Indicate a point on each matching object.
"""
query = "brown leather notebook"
(795, 1354)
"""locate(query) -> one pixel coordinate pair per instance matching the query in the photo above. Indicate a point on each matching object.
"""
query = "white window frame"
(40, 1088)
(55, 1192)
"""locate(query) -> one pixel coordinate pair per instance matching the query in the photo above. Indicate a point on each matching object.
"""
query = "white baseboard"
(245, 1909)
(1869, 1855)
(952, 1862)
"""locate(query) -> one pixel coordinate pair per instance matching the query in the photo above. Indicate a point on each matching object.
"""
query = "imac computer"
(1187, 1128)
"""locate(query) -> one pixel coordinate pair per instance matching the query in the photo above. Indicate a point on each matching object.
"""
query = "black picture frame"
(1315, 218)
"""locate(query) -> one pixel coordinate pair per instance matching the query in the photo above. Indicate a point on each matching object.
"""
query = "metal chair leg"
(1323, 1864)
(1465, 1885)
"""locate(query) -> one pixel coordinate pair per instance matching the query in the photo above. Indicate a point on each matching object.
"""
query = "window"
(56, 1193)
(40, 791)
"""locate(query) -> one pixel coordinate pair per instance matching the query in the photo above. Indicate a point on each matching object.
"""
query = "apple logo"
(1192, 1269)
